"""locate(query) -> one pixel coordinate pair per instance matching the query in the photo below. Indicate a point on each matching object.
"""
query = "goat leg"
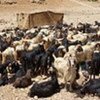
(70, 88)
(94, 70)
(67, 87)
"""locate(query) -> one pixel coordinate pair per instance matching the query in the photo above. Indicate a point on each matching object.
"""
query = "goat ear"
(64, 50)
(66, 55)
(41, 43)
(54, 56)
(43, 36)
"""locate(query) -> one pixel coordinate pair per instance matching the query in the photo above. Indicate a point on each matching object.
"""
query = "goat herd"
(62, 52)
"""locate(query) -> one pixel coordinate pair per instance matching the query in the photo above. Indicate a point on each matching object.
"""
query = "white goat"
(66, 69)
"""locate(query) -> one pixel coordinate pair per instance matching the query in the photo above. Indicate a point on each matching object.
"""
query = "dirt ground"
(74, 10)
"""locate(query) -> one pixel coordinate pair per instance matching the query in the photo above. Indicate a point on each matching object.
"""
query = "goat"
(45, 89)
(3, 68)
(9, 53)
(28, 57)
(16, 71)
(91, 87)
(3, 79)
(66, 69)
(95, 70)
(3, 72)
(13, 67)
(23, 81)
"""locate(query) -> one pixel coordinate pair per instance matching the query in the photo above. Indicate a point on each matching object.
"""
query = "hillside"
(74, 10)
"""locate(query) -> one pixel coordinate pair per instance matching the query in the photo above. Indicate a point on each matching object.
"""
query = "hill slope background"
(74, 10)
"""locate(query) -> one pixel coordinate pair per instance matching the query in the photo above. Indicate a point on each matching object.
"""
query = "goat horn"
(54, 56)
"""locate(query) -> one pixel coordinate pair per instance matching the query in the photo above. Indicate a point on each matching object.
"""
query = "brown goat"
(24, 81)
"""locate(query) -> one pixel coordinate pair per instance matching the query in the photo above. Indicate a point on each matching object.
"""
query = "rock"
(36, 97)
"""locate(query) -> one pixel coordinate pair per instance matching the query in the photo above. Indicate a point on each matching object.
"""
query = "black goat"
(3, 80)
(20, 73)
(3, 44)
(94, 68)
(81, 27)
(3, 72)
(16, 70)
(13, 67)
(97, 23)
(23, 81)
(91, 87)
(28, 58)
(45, 89)
(45, 62)
(3, 67)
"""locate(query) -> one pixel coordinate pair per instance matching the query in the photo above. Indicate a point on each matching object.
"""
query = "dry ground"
(8, 92)
(75, 11)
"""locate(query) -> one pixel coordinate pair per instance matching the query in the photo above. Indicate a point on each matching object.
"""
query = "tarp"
(28, 21)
